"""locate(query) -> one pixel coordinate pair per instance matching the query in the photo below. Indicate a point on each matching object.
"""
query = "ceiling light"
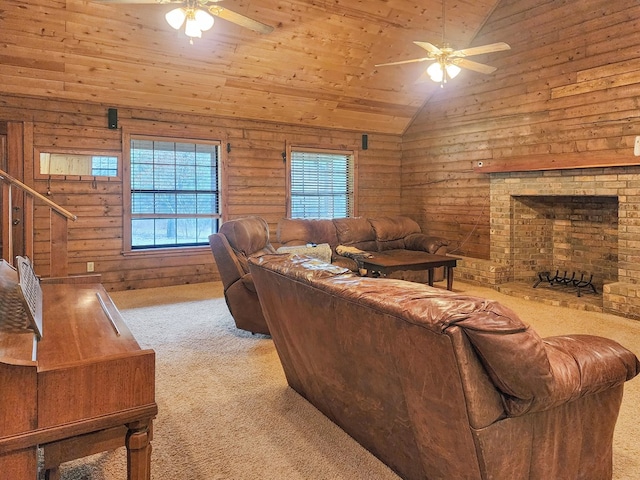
(435, 72)
(192, 29)
(442, 70)
(197, 21)
(205, 21)
(452, 70)
(176, 17)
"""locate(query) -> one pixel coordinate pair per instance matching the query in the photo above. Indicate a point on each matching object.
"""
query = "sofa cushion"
(391, 231)
(356, 232)
(302, 267)
(300, 231)
(321, 252)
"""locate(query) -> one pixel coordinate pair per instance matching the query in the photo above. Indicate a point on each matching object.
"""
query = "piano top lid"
(77, 327)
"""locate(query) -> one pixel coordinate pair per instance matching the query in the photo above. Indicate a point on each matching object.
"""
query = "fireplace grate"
(567, 281)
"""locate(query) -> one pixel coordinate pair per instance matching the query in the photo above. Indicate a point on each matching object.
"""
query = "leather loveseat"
(440, 385)
(392, 235)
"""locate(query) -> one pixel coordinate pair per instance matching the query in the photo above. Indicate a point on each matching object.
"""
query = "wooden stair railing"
(58, 217)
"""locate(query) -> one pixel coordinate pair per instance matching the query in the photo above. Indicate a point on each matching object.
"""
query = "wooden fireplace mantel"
(564, 161)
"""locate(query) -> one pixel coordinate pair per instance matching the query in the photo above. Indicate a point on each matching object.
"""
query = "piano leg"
(52, 474)
(138, 443)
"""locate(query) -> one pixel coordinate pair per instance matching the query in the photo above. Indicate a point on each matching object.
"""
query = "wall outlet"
(636, 147)
(90, 267)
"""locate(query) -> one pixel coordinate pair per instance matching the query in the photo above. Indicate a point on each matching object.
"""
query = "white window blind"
(321, 185)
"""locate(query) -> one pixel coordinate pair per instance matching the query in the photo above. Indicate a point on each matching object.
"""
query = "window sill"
(166, 252)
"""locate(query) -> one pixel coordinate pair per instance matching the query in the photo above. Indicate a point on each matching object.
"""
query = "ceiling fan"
(447, 62)
(197, 15)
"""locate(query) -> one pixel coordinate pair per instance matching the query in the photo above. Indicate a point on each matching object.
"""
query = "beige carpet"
(227, 413)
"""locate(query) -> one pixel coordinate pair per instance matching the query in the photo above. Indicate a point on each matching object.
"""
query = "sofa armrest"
(535, 374)
(229, 267)
(582, 365)
(423, 242)
(577, 366)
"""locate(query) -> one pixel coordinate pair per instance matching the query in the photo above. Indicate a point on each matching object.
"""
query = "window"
(321, 184)
(104, 166)
(75, 163)
(175, 193)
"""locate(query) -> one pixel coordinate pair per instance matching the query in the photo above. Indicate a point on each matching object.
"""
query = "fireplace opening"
(577, 234)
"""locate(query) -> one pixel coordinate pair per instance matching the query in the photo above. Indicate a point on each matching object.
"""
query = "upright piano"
(74, 384)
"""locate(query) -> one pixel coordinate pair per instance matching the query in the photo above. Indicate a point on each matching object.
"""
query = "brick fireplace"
(571, 237)
(582, 220)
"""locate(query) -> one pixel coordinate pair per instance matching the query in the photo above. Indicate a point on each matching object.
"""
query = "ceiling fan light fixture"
(176, 17)
(200, 15)
(192, 29)
(204, 20)
(195, 21)
(452, 70)
(435, 72)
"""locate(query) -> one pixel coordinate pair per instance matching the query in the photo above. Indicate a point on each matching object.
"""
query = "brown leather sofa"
(440, 385)
(236, 242)
(392, 235)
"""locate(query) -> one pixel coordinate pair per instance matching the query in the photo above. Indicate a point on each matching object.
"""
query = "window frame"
(127, 137)
(326, 150)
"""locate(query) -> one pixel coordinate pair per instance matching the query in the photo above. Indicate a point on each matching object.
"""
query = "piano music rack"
(20, 296)
(31, 293)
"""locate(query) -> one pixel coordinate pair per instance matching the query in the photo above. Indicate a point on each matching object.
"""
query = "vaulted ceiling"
(316, 68)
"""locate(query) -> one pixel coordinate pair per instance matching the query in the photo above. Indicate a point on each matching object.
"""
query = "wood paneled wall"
(254, 176)
(567, 93)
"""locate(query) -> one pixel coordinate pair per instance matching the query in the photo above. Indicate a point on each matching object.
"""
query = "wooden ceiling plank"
(145, 77)
(227, 105)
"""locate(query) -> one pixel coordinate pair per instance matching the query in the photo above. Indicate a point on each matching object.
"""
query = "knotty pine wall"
(254, 176)
(567, 94)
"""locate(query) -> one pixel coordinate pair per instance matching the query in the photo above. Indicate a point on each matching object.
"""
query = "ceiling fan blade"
(429, 47)
(492, 47)
(239, 19)
(471, 65)
(402, 62)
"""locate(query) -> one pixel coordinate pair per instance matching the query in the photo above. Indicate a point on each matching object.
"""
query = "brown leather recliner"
(237, 241)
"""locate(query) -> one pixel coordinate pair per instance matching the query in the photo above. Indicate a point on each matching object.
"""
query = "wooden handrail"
(14, 181)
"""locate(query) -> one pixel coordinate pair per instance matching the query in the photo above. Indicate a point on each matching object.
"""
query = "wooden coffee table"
(381, 264)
